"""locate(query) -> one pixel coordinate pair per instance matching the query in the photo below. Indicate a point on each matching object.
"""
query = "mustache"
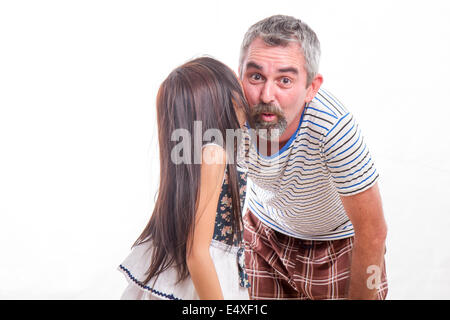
(267, 108)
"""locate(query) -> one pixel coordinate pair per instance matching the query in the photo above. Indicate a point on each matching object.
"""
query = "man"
(315, 227)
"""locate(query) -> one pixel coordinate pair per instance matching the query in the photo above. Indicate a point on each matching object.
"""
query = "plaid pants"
(283, 267)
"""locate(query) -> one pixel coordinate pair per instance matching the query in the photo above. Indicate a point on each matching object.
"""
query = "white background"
(78, 152)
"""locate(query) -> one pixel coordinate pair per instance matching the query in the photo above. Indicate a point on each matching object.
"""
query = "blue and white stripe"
(297, 191)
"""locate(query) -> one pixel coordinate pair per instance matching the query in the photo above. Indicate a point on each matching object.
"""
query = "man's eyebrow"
(254, 65)
(289, 69)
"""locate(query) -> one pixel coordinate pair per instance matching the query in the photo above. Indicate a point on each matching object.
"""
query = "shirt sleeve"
(348, 158)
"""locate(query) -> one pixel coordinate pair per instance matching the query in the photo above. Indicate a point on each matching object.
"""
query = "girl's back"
(192, 246)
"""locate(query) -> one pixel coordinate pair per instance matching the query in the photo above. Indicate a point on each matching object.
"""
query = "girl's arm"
(198, 258)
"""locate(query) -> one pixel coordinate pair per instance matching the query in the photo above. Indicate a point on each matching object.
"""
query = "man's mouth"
(268, 117)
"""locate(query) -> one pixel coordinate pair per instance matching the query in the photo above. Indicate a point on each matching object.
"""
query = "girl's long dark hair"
(205, 90)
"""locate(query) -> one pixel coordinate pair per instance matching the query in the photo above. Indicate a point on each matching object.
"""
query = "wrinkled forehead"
(266, 57)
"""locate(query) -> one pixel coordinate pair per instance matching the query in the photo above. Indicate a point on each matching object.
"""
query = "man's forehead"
(282, 69)
(287, 58)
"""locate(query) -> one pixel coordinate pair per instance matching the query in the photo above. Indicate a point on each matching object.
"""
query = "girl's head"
(200, 99)
(203, 90)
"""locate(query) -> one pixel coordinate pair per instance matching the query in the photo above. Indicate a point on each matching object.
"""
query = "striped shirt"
(297, 190)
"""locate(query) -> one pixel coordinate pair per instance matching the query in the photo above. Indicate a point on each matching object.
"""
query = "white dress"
(226, 253)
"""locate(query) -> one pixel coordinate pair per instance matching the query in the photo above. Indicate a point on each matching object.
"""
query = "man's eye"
(256, 76)
(286, 81)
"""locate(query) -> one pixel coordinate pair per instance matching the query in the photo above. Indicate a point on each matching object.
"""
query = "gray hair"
(280, 30)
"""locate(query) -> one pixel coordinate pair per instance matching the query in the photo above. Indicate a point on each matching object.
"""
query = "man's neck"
(268, 147)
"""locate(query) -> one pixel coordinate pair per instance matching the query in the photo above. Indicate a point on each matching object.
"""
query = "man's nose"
(268, 92)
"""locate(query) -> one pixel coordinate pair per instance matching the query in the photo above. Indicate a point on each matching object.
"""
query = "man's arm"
(366, 214)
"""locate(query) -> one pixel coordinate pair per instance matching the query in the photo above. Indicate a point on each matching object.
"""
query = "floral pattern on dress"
(223, 225)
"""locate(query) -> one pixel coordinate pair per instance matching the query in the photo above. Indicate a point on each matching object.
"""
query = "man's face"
(274, 81)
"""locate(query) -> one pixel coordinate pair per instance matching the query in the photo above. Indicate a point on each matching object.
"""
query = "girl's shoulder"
(213, 153)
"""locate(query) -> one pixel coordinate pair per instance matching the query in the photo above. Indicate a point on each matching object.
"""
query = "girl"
(192, 246)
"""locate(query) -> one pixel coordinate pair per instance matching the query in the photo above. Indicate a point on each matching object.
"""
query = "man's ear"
(314, 87)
